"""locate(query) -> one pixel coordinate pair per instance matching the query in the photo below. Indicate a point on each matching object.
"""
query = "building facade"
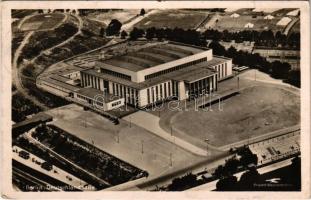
(151, 74)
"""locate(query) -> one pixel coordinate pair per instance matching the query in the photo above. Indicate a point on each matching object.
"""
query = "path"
(290, 25)
(17, 69)
(128, 26)
(16, 79)
(65, 41)
(151, 123)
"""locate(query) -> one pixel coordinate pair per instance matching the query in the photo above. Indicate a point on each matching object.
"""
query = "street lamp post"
(206, 141)
(142, 147)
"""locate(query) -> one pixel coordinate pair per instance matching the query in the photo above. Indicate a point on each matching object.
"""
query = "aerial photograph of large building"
(156, 99)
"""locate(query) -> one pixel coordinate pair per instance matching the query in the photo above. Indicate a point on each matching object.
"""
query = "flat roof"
(60, 78)
(151, 56)
(59, 83)
(188, 74)
(98, 94)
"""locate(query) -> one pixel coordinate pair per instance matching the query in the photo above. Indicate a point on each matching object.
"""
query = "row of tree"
(277, 69)
(290, 175)
(261, 38)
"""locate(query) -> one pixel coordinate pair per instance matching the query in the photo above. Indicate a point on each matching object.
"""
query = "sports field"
(240, 23)
(185, 19)
(255, 111)
(42, 22)
(122, 15)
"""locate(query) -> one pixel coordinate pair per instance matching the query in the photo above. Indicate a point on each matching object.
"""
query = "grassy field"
(237, 24)
(185, 19)
(256, 111)
(43, 21)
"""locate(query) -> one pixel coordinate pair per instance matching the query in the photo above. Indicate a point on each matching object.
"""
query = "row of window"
(205, 84)
(159, 92)
(116, 74)
(87, 99)
(93, 81)
(130, 94)
(221, 70)
(175, 68)
(116, 103)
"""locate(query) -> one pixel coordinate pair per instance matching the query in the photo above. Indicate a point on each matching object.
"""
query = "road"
(151, 182)
(16, 78)
(17, 69)
(128, 26)
(290, 26)
(55, 173)
(57, 156)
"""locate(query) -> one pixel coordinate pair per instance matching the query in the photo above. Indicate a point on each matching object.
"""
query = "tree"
(136, 33)
(294, 77)
(113, 27)
(248, 179)
(142, 12)
(218, 49)
(226, 184)
(150, 33)
(123, 34)
(280, 70)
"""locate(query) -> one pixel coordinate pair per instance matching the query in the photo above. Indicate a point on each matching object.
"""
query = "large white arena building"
(147, 74)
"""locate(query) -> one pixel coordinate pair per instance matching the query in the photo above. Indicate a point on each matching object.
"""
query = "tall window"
(157, 93)
(148, 96)
(152, 92)
(169, 89)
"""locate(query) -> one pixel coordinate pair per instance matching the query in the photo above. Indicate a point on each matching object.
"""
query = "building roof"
(97, 94)
(59, 83)
(188, 74)
(151, 56)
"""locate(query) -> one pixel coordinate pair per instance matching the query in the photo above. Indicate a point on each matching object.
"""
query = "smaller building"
(98, 99)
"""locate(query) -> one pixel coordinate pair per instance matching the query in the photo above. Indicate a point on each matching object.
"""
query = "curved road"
(65, 41)
(16, 70)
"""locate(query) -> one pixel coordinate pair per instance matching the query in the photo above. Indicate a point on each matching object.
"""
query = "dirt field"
(43, 21)
(173, 18)
(257, 110)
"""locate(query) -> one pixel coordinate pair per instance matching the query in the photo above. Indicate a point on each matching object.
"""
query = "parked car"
(47, 166)
(24, 154)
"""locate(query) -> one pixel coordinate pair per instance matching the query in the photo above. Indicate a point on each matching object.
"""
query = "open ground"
(264, 105)
(185, 19)
(127, 142)
(42, 22)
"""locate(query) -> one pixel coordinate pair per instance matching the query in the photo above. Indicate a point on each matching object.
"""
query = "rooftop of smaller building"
(97, 95)
(59, 83)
